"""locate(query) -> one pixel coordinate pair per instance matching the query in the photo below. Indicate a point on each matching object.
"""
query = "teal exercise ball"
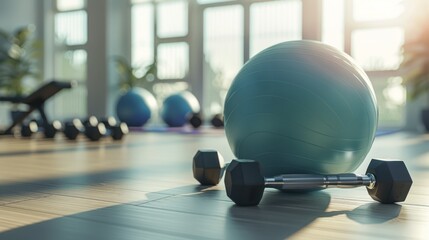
(136, 107)
(301, 107)
(177, 107)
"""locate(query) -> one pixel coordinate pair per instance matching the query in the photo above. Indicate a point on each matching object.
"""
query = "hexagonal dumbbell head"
(51, 129)
(28, 129)
(119, 131)
(244, 182)
(217, 121)
(393, 182)
(208, 167)
(73, 128)
(196, 120)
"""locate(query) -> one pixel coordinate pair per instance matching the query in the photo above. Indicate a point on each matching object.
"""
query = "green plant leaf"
(128, 74)
(19, 55)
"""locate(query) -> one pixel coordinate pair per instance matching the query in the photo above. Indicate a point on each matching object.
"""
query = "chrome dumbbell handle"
(315, 181)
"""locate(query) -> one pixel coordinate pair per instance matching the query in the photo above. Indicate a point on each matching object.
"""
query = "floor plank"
(142, 188)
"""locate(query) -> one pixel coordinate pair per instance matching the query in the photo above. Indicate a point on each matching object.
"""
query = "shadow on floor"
(195, 212)
(86, 146)
(73, 181)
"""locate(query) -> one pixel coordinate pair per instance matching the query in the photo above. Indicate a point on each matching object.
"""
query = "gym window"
(70, 56)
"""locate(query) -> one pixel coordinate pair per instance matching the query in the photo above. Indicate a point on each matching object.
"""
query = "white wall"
(109, 34)
(14, 14)
(118, 44)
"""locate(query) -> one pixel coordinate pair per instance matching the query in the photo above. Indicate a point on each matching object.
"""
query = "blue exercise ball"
(301, 107)
(176, 108)
(136, 107)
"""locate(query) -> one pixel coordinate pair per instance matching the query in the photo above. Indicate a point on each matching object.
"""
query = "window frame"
(51, 70)
(312, 16)
(67, 47)
(351, 25)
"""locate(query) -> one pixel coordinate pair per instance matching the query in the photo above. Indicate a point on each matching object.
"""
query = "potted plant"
(136, 105)
(19, 55)
(415, 64)
(129, 75)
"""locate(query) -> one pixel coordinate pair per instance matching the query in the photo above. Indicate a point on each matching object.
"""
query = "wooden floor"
(142, 188)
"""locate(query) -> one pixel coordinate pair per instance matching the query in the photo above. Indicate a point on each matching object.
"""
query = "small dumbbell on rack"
(195, 119)
(217, 121)
(116, 130)
(28, 129)
(386, 181)
(51, 129)
(73, 128)
(94, 130)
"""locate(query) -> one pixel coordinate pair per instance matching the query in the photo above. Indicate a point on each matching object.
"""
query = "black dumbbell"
(51, 129)
(94, 130)
(73, 128)
(196, 120)
(208, 166)
(109, 122)
(386, 181)
(217, 121)
(27, 129)
(116, 130)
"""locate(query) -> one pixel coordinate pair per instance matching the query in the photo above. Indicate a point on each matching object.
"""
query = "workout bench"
(35, 100)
